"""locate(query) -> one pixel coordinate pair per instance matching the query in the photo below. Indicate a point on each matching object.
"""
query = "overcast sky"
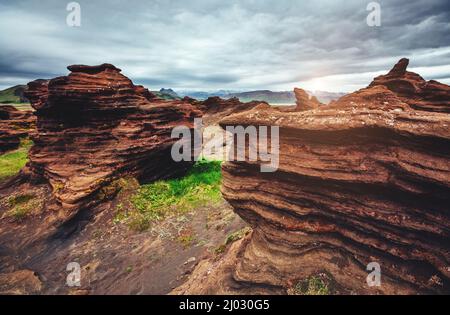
(226, 44)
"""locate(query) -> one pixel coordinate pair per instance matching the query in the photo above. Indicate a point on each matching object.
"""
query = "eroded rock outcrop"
(400, 90)
(216, 108)
(304, 101)
(95, 126)
(364, 180)
(14, 125)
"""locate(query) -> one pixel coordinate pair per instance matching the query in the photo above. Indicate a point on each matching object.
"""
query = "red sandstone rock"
(21, 282)
(216, 108)
(216, 104)
(14, 125)
(399, 69)
(401, 90)
(37, 93)
(304, 101)
(364, 180)
(95, 126)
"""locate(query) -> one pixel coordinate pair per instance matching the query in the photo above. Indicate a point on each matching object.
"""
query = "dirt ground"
(113, 258)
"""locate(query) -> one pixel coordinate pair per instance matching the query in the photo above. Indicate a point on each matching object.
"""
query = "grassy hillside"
(13, 95)
(167, 94)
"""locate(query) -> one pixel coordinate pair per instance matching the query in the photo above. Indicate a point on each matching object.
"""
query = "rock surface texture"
(14, 125)
(95, 126)
(304, 101)
(400, 90)
(364, 180)
(216, 108)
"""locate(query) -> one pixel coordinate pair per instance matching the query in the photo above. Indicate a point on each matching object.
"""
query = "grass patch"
(19, 199)
(231, 238)
(12, 162)
(314, 285)
(186, 238)
(152, 202)
(118, 186)
(21, 205)
(22, 106)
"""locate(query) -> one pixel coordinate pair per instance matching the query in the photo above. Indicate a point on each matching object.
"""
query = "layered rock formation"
(95, 126)
(412, 89)
(401, 90)
(364, 180)
(304, 101)
(215, 108)
(14, 125)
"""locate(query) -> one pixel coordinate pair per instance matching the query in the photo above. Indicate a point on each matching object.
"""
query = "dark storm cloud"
(209, 44)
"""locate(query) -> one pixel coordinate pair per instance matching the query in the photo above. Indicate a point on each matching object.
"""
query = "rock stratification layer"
(14, 125)
(366, 180)
(400, 90)
(94, 126)
(215, 108)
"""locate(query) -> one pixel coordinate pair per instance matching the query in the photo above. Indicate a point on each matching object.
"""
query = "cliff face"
(95, 126)
(14, 125)
(364, 180)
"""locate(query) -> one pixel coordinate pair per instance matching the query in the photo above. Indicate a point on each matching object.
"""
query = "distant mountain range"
(201, 95)
(271, 97)
(15, 95)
